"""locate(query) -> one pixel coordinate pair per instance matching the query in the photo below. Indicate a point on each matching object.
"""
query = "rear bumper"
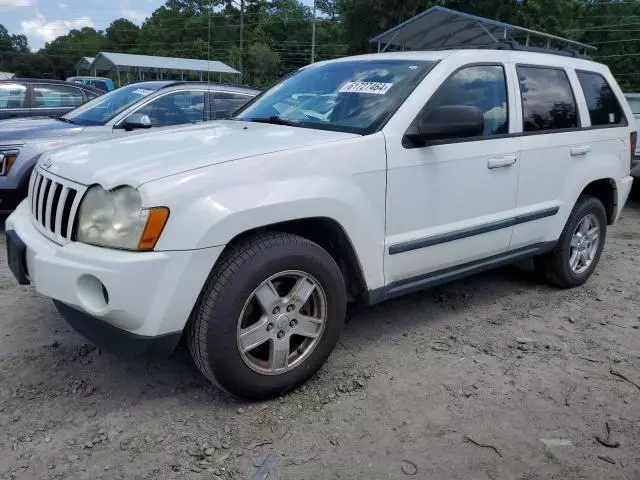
(624, 189)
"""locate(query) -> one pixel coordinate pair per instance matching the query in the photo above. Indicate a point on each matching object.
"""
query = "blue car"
(103, 83)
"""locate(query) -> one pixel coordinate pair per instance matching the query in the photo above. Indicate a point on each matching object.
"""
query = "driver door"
(453, 202)
(180, 107)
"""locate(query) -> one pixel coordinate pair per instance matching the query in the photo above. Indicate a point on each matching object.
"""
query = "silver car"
(138, 106)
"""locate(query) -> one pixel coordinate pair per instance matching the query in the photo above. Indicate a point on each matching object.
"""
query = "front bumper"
(145, 295)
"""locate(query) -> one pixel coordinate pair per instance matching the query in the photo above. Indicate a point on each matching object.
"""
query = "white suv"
(249, 236)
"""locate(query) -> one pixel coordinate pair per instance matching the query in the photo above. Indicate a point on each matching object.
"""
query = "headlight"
(7, 159)
(116, 219)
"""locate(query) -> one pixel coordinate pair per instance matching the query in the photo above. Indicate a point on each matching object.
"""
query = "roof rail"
(512, 45)
(440, 28)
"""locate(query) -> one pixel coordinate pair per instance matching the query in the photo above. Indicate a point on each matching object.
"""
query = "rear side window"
(604, 108)
(547, 99)
(56, 96)
(12, 95)
(226, 103)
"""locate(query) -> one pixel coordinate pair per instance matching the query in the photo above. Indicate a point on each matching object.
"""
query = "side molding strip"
(470, 232)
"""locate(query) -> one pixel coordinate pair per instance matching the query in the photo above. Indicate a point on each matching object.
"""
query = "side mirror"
(447, 122)
(135, 121)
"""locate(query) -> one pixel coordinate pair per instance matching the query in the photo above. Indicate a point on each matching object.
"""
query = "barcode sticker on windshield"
(377, 88)
(142, 91)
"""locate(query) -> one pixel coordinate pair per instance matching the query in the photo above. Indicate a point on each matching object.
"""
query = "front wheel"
(580, 246)
(269, 316)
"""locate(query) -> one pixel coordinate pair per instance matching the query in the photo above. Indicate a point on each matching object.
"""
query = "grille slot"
(54, 203)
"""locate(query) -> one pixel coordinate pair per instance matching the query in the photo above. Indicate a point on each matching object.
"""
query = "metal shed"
(440, 27)
(143, 65)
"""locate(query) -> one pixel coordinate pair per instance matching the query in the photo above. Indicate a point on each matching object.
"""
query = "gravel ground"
(492, 377)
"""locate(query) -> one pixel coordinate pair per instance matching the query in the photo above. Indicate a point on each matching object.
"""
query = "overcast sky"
(43, 20)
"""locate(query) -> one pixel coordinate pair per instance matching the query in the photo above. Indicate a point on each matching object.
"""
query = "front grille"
(54, 204)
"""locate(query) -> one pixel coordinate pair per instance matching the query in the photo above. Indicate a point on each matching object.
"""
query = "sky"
(43, 20)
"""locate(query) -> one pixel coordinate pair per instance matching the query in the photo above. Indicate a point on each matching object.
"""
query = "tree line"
(277, 34)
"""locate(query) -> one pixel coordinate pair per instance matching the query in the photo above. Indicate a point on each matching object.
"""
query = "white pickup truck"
(249, 236)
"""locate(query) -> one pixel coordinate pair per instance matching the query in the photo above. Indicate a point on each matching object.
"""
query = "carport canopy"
(84, 63)
(443, 28)
(125, 62)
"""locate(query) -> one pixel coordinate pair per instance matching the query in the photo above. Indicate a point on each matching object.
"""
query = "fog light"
(93, 294)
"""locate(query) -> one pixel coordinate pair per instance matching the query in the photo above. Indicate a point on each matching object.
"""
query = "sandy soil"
(492, 377)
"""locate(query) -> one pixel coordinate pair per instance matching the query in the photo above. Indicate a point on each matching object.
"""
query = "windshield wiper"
(274, 120)
(65, 120)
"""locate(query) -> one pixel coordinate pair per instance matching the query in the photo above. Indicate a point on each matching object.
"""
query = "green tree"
(122, 35)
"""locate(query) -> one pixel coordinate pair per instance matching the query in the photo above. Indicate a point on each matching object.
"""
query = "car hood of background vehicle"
(25, 128)
(141, 157)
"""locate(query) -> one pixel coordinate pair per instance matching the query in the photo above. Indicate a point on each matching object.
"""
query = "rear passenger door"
(14, 100)
(561, 150)
(53, 100)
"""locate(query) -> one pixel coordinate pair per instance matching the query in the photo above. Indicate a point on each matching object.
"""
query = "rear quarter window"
(604, 108)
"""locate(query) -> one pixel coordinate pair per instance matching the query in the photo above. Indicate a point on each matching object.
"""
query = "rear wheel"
(269, 315)
(580, 246)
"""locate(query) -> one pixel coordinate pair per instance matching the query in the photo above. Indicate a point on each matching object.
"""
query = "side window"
(482, 86)
(12, 95)
(547, 99)
(175, 109)
(604, 108)
(56, 96)
(99, 84)
(226, 103)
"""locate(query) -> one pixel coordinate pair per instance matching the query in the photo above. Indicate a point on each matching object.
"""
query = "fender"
(344, 181)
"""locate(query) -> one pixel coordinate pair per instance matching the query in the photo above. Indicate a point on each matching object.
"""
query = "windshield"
(102, 109)
(355, 96)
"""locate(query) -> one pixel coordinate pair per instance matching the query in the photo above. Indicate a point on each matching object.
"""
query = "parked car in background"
(103, 83)
(20, 97)
(634, 103)
(137, 106)
(6, 75)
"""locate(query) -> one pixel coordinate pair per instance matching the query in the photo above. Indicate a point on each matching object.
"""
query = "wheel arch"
(606, 191)
(328, 234)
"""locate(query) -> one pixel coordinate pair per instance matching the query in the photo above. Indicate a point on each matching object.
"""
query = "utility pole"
(313, 34)
(241, 38)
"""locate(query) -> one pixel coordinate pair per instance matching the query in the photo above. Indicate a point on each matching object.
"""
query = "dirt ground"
(492, 377)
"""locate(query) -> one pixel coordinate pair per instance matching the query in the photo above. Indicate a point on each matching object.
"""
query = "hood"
(25, 128)
(145, 156)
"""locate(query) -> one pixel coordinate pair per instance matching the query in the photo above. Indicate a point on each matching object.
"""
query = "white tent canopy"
(84, 64)
(126, 62)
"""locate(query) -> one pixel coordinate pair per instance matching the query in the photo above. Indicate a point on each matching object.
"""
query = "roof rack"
(440, 28)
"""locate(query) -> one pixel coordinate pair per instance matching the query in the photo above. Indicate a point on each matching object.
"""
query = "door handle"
(577, 151)
(501, 162)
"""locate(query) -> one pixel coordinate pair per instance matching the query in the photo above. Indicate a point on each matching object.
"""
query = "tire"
(555, 266)
(235, 289)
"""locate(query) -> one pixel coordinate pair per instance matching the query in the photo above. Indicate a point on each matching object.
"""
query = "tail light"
(633, 141)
